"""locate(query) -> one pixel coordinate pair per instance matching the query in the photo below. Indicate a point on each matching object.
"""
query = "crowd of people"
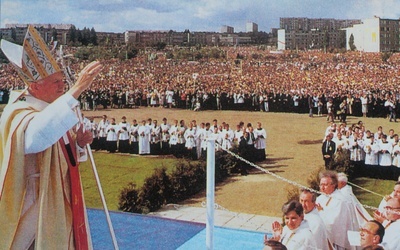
(279, 83)
(303, 82)
(372, 152)
(313, 82)
(179, 138)
(336, 220)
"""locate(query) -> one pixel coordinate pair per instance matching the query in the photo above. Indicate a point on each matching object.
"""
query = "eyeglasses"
(366, 231)
(325, 184)
(391, 208)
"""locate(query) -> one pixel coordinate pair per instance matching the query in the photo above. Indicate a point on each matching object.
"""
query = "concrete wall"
(366, 35)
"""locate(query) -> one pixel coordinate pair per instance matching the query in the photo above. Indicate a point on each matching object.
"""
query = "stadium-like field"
(293, 152)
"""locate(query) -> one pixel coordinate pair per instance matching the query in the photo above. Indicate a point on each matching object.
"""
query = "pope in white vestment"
(41, 200)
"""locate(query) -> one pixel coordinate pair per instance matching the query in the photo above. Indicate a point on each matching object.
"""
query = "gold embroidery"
(327, 203)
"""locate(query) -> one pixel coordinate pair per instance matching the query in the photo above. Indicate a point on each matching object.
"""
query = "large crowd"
(301, 82)
(313, 82)
(279, 83)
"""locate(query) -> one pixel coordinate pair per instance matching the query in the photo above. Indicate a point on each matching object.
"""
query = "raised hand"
(85, 78)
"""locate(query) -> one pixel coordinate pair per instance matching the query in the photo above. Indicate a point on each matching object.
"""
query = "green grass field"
(115, 172)
(383, 187)
(294, 160)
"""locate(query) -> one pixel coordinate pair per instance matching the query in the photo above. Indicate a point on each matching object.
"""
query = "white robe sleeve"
(50, 124)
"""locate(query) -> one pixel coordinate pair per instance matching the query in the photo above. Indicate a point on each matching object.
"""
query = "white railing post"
(210, 193)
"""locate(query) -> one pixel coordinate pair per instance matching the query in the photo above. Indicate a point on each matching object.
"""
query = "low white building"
(366, 35)
(375, 35)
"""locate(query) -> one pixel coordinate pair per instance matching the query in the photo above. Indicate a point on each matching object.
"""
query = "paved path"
(222, 218)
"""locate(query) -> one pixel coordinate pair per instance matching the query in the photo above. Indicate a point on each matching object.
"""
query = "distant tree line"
(83, 37)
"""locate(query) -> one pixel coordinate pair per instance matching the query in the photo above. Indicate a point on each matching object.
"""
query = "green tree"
(54, 34)
(385, 56)
(351, 43)
(160, 46)
(14, 34)
(93, 37)
(83, 53)
(72, 34)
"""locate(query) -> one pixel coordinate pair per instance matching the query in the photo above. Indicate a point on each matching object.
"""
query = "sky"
(195, 15)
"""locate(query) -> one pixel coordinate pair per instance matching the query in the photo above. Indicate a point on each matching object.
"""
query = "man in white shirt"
(155, 135)
(144, 138)
(391, 239)
(190, 144)
(361, 213)
(371, 149)
(227, 136)
(341, 143)
(173, 137)
(206, 134)
(102, 132)
(238, 133)
(335, 211)
(93, 129)
(260, 144)
(394, 194)
(385, 152)
(315, 222)
(296, 234)
(134, 137)
(123, 136)
(112, 136)
(180, 145)
(371, 234)
(199, 130)
(164, 127)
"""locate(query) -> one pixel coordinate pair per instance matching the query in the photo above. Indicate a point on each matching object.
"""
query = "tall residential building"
(251, 27)
(16, 32)
(375, 35)
(306, 33)
(61, 26)
(227, 29)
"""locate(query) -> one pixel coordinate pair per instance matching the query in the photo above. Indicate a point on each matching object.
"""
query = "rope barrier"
(369, 191)
(282, 178)
(219, 207)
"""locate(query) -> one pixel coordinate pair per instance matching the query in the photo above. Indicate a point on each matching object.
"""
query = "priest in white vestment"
(336, 212)
(362, 214)
(296, 234)
(385, 152)
(314, 220)
(260, 144)
(391, 239)
(144, 138)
